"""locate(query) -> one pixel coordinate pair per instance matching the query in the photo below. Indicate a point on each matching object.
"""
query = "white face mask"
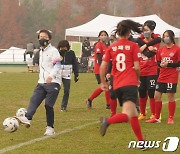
(166, 40)
(147, 34)
(103, 38)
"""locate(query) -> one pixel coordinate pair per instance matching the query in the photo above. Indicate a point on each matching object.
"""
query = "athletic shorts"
(98, 78)
(148, 82)
(166, 87)
(127, 93)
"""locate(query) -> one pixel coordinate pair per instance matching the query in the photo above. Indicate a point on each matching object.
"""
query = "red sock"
(171, 107)
(113, 106)
(142, 105)
(136, 128)
(96, 93)
(107, 95)
(118, 118)
(158, 107)
(152, 106)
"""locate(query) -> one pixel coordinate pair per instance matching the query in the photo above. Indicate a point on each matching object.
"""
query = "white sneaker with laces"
(23, 120)
(49, 131)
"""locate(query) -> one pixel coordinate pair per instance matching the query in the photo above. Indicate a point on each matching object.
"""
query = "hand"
(104, 86)
(49, 79)
(143, 47)
(164, 64)
(151, 48)
(76, 79)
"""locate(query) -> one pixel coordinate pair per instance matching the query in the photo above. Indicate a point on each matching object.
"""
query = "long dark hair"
(171, 35)
(103, 31)
(124, 26)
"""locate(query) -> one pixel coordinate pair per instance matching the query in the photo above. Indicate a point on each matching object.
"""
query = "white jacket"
(49, 64)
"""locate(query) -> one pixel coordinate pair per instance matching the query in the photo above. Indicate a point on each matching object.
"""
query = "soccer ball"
(10, 124)
(21, 112)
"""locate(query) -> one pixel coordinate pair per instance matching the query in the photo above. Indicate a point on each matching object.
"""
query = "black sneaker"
(104, 125)
(89, 104)
(108, 106)
(63, 109)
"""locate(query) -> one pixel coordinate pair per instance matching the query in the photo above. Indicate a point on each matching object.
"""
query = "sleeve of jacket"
(56, 61)
(75, 65)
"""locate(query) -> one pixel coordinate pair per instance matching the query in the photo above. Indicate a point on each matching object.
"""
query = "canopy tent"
(108, 23)
(13, 54)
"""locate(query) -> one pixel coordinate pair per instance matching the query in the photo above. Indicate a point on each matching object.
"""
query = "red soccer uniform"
(172, 55)
(123, 54)
(99, 49)
(149, 65)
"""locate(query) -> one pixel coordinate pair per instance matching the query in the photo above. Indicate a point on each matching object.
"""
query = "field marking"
(45, 137)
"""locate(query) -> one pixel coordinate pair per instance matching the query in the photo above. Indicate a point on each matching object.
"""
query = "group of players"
(131, 70)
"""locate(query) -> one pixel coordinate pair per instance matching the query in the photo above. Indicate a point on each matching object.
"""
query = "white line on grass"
(45, 137)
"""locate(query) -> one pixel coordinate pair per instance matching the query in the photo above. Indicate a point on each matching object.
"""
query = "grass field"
(78, 129)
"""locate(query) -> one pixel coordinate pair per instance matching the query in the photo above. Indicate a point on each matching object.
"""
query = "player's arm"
(166, 64)
(149, 53)
(137, 69)
(153, 42)
(99, 58)
(103, 67)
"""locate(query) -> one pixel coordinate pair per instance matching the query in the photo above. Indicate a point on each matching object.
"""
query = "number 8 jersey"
(123, 54)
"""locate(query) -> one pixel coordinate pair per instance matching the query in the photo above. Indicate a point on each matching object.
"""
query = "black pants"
(66, 85)
(49, 92)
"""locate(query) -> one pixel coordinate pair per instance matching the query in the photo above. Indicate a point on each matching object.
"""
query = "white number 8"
(120, 62)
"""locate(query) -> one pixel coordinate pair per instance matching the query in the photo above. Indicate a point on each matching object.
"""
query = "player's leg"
(113, 97)
(66, 84)
(95, 93)
(142, 97)
(52, 90)
(151, 90)
(128, 97)
(36, 99)
(171, 102)
(160, 88)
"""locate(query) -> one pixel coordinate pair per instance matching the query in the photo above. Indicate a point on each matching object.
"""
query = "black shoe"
(89, 104)
(63, 109)
(104, 125)
(108, 106)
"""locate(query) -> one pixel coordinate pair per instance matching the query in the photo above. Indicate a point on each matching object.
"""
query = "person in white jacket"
(48, 84)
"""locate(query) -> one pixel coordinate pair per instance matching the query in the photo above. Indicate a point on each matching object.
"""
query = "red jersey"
(99, 49)
(149, 65)
(123, 54)
(172, 55)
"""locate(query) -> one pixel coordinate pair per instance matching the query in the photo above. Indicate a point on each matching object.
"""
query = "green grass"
(15, 92)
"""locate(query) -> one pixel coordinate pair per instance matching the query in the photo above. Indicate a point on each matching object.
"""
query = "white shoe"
(49, 131)
(23, 120)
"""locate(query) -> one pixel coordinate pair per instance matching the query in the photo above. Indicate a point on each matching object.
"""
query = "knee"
(48, 107)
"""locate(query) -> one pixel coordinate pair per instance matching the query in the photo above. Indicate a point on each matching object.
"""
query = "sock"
(107, 95)
(95, 94)
(158, 107)
(152, 106)
(118, 118)
(113, 106)
(136, 128)
(142, 105)
(171, 107)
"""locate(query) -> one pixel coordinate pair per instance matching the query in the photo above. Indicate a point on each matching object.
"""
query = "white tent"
(13, 54)
(108, 23)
